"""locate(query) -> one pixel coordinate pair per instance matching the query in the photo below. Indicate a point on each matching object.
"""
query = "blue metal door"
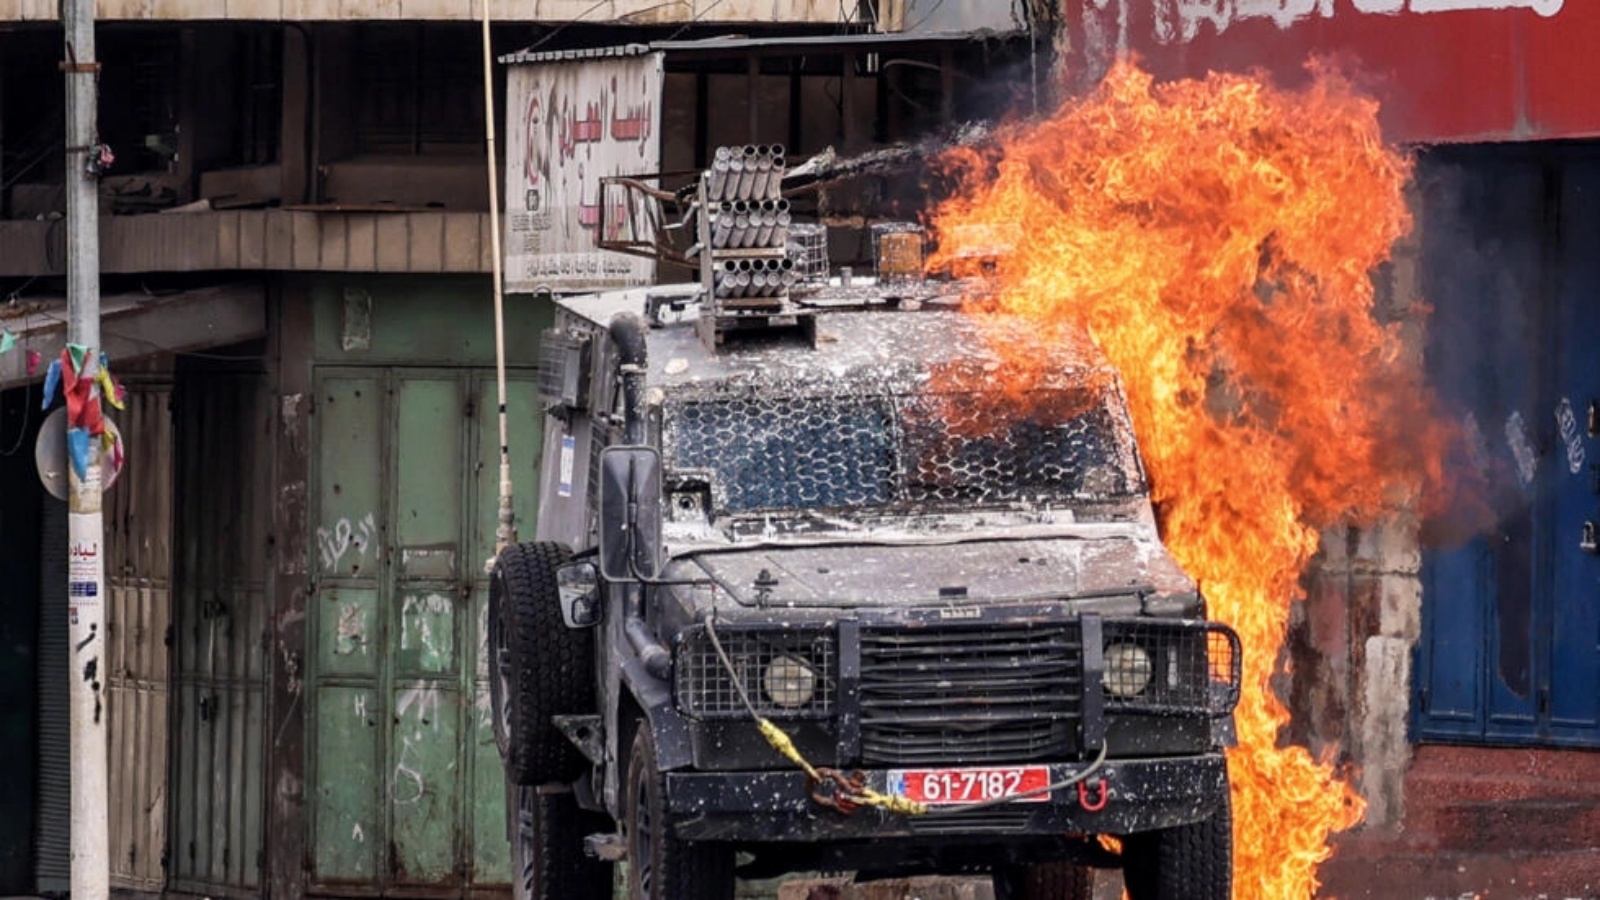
(1570, 703)
(1510, 651)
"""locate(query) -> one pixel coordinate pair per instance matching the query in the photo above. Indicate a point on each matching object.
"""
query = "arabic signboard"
(1444, 70)
(569, 123)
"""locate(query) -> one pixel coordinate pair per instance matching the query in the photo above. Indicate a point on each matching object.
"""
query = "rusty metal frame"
(656, 205)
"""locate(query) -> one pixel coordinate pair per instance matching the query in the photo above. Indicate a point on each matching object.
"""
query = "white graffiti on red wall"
(1183, 20)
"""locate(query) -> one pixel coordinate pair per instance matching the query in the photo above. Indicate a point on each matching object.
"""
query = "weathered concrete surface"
(1348, 657)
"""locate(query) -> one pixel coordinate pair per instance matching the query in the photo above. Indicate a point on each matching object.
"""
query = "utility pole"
(506, 531)
(91, 865)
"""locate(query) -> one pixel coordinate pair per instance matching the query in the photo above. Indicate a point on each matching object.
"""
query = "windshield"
(929, 450)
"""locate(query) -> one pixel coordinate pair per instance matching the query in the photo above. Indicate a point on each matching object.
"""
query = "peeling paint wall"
(1350, 646)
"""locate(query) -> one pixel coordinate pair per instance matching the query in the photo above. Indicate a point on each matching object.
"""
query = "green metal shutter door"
(347, 833)
(424, 770)
(406, 787)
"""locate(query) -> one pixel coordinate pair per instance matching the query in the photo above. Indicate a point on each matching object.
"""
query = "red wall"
(1480, 70)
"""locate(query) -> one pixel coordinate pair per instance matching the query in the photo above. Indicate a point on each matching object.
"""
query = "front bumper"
(1140, 795)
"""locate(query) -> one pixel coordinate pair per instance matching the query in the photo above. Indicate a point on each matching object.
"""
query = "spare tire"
(538, 667)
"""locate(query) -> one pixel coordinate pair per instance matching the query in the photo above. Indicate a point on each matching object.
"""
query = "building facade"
(1452, 663)
(295, 254)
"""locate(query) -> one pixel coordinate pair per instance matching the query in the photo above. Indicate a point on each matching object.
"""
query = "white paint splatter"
(1521, 448)
(1477, 444)
(425, 626)
(352, 630)
(1571, 435)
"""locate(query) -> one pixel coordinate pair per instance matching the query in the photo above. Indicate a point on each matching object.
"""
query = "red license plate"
(943, 787)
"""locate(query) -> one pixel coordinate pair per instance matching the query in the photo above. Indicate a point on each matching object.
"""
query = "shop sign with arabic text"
(568, 124)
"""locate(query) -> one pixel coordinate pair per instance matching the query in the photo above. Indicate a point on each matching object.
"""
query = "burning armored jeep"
(834, 602)
(819, 585)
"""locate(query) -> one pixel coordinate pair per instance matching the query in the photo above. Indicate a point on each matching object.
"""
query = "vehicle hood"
(964, 572)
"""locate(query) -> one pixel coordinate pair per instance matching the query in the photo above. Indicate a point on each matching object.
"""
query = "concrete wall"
(1350, 648)
(256, 239)
(1351, 637)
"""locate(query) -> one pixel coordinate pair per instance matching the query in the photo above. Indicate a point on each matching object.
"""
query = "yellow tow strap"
(892, 802)
(863, 796)
(784, 745)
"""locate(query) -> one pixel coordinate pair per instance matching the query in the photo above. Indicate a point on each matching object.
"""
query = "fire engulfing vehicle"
(840, 597)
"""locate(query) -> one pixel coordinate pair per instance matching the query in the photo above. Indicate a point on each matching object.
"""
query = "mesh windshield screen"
(927, 449)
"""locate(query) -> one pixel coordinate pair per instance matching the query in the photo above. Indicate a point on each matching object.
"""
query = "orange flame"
(1218, 239)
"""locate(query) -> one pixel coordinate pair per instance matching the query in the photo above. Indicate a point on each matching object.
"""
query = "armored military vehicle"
(843, 586)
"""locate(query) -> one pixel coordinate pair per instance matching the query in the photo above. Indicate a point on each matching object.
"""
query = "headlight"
(789, 682)
(1128, 670)
(789, 673)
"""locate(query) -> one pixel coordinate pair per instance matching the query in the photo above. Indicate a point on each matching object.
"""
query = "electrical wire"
(158, 348)
(27, 413)
(50, 144)
(33, 163)
(559, 28)
(698, 16)
(16, 292)
(1099, 761)
(628, 16)
(927, 15)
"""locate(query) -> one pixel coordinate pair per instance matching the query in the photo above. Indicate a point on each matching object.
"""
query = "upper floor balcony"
(359, 146)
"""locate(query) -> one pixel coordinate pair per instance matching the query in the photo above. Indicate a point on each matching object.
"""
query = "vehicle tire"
(1044, 881)
(539, 667)
(660, 866)
(1189, 862)
(547, 858)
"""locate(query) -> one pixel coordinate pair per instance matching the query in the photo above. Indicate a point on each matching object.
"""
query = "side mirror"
(630, 512)
(579, 586)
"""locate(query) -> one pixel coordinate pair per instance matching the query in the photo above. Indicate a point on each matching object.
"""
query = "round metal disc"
(50, 454)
